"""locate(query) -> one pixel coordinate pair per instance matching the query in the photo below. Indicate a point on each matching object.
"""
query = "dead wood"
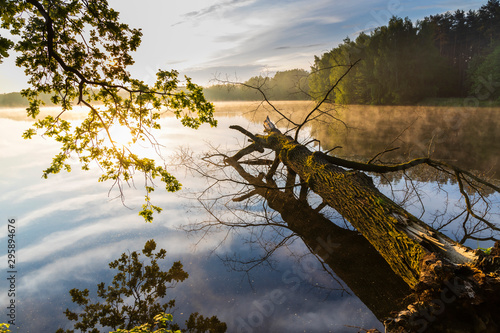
(401, 238)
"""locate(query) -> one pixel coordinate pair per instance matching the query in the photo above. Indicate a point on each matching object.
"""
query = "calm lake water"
(68, 229)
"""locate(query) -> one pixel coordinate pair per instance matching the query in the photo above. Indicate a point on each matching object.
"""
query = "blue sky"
(237, 39)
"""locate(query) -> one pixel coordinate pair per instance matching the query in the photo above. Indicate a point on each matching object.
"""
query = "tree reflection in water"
(339, 249)
(260, 195)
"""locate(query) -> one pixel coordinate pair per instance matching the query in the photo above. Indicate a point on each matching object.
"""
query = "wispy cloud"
(210, 33)
(71, 204)
(71, 256)
(206, 11)
(275, 36)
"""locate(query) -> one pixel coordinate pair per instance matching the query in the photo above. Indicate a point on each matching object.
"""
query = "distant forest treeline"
(444, 56)
(16, 100)
(286, 85)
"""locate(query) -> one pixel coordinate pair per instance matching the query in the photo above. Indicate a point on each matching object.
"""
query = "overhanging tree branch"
(79, 51)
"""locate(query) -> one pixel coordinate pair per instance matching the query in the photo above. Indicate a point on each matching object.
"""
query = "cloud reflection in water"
(69, 230)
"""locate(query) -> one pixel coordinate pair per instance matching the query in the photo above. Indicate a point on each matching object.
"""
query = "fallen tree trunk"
(347, 253)
(402, 239)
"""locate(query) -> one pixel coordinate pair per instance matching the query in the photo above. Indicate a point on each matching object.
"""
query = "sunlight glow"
(121, 135)
(124, 140)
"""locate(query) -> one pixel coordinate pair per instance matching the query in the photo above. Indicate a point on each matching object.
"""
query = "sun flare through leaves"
(78, 52)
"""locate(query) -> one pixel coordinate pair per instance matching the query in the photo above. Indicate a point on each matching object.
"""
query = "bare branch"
(323, 100)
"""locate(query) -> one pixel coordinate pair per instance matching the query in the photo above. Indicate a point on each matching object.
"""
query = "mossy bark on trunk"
(401, 238)
(348, 254)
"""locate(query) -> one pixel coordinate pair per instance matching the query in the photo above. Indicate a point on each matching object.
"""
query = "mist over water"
(69, 229)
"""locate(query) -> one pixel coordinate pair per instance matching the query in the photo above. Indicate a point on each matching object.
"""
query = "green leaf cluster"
(78, 52)
(4, 328)
(486, 251)
(158, 327)
(133, 302)
(5, 45)
(485, 76)
(195, 324)
(144, 284)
